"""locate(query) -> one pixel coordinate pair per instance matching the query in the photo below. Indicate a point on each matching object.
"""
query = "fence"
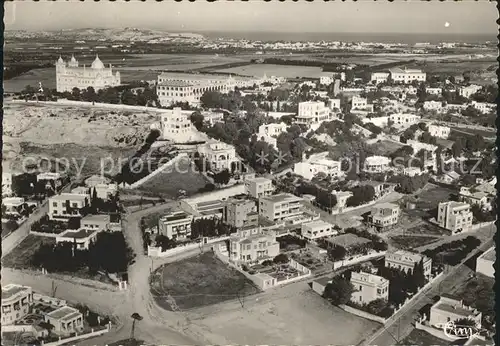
(25, 328)
(43, 234)
(348, 209)
(363, 314)
(481, 225)
(157, 171)
(93, 333)
(356, 260)
(156, 251)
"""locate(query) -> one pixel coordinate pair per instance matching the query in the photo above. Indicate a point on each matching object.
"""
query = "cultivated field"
(421, 338)
(258, 70)
(430, 196)
(409, 242)
(198, 281)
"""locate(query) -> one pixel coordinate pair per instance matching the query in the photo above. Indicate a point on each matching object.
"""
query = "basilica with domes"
(70, 75)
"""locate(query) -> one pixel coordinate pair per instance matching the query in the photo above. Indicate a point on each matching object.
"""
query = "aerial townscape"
(168, 184)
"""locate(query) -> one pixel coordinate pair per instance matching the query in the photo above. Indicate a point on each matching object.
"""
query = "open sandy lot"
(289, 310)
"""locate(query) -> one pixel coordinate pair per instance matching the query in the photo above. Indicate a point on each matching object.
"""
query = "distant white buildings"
(326, 79)
(484, 107)
(433, 105)
(281, 207)
(312, 113)
(434, 91)
(407, 76)
(404, 120)
(269, 132)
(6, 184)
(219, 155)
(377, 164)
(439, 131)
(468, 91)
(360, 104)
(70, 75)
(368, 287)
(379, 77)
(318, 163)
(176, 125)
(334, 104)
(454, 216)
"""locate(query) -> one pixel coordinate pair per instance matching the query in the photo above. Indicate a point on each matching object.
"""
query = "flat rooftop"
(282, 197)
(11, 290)
(456, 309)
(175, 216)
(260, 179)
(176, 83)
(323, 281)
(64, 313)
(79, 234)
(98, 217)
(317, 223)
(69, 196)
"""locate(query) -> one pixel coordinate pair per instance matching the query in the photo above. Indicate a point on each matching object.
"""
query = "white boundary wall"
(359, 259)
(156, 251)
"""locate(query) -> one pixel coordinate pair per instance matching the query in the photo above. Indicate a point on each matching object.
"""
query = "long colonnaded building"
(185, 87)
(70, 75)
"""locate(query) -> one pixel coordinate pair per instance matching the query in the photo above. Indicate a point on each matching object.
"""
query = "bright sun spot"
(446, 24)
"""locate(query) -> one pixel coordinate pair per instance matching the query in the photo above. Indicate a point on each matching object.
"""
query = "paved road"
(401, 324)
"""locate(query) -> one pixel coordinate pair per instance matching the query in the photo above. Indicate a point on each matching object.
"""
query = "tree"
(135, 317)
(128, 98)
(465, 322)
(222, 177)
(281, 258)
(197, 120)
(75, 94)
(337, 253)
(339, 291)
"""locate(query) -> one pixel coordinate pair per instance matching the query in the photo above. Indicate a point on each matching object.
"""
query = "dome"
(60, 60)
(97, 64)
(73, 58)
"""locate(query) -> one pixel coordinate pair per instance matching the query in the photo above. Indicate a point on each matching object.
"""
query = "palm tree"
(135, 317)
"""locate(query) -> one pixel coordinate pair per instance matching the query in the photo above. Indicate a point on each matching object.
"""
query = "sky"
(257, 15)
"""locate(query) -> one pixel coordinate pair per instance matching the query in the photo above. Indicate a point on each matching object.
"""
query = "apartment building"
(318, 163)
(368, 287)
(81, 237)
(317, 229)
(407, 76)
(439, 131)
(468, 91)
(450, 309)
(16, 303)
(219, 155)
(455, 216)
(66, 205)
(326, 79)
(271, 129)
(379, 77)
(384, 215)
(434, 91)
(406, 261)
(66, 320)
(485, 262)
(176, 125)
(484, 107)
(377, 164)
(280, 207)
(361, 104)
(241, 213)
(176, 225)
(476, 197)
(334, 104)
(253, 245)
(312, 113)
(13, 205)
(259, 187)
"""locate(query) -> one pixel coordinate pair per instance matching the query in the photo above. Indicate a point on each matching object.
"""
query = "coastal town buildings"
(241, 213)
(280, 207)
(384, 215)
(16, 303)
(450, 309)
(379, 77)
(82, 238)
(251, 246)
(368, 287)
(407, 76)
(66, 320)
(175, 225)
(259, 187)
(377, 164)
(67, 205)
(406, 261)
(439, 131)
(318, 163)
(312, 113)
(317, 229)
(176, 125)
(70, 75)
(455, 216)
(219, 155)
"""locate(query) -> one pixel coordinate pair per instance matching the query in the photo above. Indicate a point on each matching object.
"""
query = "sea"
(403, 38)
